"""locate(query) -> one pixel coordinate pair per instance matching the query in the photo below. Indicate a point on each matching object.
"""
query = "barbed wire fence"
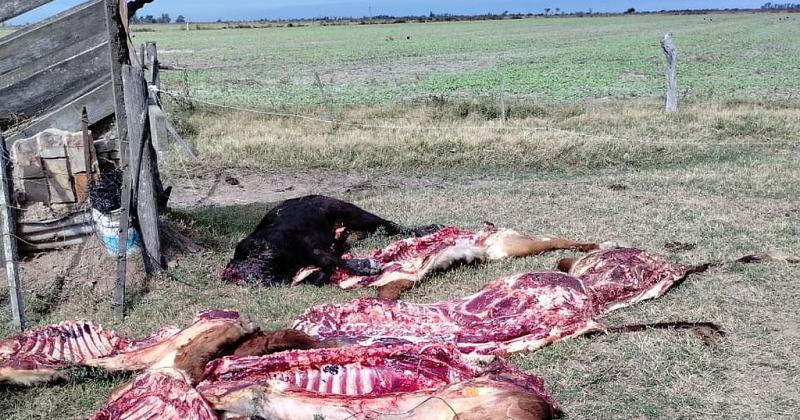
(499, 127)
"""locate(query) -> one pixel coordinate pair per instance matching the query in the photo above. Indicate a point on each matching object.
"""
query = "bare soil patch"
(83, 273)
(242, 187)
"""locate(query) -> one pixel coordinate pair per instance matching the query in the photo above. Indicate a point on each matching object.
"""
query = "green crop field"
(544, 59)
(587, 153)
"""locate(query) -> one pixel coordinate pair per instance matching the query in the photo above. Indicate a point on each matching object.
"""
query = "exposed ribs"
(41, 354)
(158, 394)
(38, 355)
(165, 390)
(617, 278)
(398, 367)
(512, 314)
(411, 381)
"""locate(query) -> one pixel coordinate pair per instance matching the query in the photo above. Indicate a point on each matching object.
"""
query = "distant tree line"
(781, 6)
(448, 17)
(164, 18)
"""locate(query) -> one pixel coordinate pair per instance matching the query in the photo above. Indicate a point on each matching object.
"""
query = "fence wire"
(511, 127)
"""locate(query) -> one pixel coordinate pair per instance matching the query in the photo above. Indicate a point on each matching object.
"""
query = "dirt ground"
(241, 187)
(85, 272)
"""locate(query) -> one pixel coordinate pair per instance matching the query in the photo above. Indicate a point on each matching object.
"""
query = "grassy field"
(587, 154)
(569, 59)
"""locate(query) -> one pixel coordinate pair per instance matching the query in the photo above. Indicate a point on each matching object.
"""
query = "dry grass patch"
(568, 138)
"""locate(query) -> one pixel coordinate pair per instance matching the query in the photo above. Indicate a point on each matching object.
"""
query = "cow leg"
(516, 245)
(709, 332)
(358, 220)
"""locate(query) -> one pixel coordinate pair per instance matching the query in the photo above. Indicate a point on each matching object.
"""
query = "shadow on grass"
(219, 226)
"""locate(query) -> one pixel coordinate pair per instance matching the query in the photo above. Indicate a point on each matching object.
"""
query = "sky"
(211, 10)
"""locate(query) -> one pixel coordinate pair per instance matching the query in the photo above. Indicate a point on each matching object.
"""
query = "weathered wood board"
(35, 47)
(99, 103)
(52, 69)
(56, 85)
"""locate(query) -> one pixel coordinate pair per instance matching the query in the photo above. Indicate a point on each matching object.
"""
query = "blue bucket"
(108, 228)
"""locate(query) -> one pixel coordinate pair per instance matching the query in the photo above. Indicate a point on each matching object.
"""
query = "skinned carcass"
(512, 314)
(408, 261)
(166, 390)
(616, 278)
(517, 313)
(414, 381)
(619, 277)
(42, 354)
(165, 393)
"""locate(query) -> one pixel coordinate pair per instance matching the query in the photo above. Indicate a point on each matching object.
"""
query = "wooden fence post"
(502, 98)
(672, 72)
(142, 58)
(158, 130)
(151, 60)
(82, 184)
(158, 121)
(120, 56)
(9, 240)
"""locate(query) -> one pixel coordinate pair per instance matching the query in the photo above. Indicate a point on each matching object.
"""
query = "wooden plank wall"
(52, 69)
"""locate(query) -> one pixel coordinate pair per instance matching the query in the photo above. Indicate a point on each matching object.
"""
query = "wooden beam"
(120, 56)
(99, 102)
(136, 110)
(158, 130)
(187, 150)
(141, 54)
(9, 240)
(10, 9)
(147, 210)
(158, 120)
(142, 165)
(39, 46)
